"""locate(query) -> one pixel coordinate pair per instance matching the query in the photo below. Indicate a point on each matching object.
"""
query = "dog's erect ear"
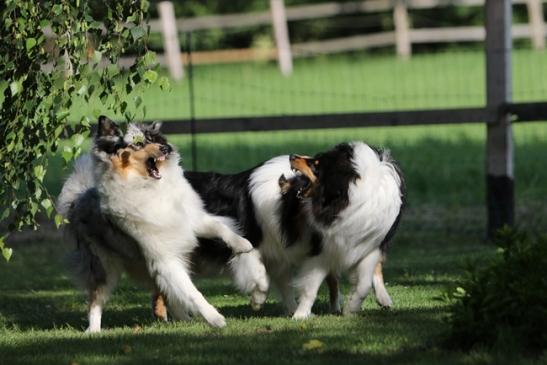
(107, 127)
(155, 126)
(125, 158)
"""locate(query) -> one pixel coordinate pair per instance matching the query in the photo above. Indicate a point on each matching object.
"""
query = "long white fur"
(165, 216)
(279, 260)
(80, 180)
(351, 243)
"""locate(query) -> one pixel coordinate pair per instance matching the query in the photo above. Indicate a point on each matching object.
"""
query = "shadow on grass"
(266, 340)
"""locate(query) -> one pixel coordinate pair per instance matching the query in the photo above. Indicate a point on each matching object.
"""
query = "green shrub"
(504, 302)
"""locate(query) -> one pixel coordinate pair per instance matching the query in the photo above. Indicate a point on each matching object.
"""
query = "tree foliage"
(51, 53)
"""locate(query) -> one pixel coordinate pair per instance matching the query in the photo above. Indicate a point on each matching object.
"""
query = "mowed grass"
(356, 82)
(43, 316)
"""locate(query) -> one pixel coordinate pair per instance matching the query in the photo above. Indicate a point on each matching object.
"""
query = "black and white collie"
(303, 224)
(351, 196)
(131, 207)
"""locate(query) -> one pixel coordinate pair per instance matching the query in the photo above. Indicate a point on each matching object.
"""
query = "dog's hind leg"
(362, 282)
(173, 280)
(159, 306)
(282, 281)
(99, 294)
(382, 297)
(213, 227)
(335, 297)
(310, 278)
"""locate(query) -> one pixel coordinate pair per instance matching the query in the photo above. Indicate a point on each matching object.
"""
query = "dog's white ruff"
(165, 216)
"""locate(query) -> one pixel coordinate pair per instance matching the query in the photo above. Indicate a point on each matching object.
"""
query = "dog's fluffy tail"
(80, 180)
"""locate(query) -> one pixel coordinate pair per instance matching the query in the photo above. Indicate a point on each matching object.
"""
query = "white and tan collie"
(141, 211)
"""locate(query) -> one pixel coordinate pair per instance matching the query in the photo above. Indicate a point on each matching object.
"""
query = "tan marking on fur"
(128, 159)
(378, 270)
(159, 306)
(300, 163)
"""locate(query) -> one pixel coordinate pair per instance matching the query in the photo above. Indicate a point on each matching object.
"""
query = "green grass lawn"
(355, 82)
(42, 315)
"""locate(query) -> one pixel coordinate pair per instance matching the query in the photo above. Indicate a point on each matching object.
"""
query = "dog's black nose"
(292, 157)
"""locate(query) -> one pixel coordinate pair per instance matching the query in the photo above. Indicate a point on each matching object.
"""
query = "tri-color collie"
(131, 209)
(351, 197)
(343, 210)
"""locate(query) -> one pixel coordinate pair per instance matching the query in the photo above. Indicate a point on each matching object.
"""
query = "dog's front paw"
(258, 298)
(93, 329)
(242, 245)
(300, 315)
(214, 319)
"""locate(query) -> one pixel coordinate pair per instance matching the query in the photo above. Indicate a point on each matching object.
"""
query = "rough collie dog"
(139, 211)
(268, 202)
(352, 197)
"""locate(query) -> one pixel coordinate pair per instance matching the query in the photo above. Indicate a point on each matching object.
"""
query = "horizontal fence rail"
(521, 112)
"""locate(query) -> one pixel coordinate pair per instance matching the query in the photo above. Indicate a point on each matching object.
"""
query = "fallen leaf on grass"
(314, 345)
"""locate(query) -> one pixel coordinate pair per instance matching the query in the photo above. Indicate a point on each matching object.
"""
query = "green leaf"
(58, 220)
(164, 83)
(57, 9)
(7, 252)
(97, 56)
(78, 139)
(67, 154)
(150, 76)
(3, 86)
(62, 114)
(15, 87)
(137, 32)
(30, 43)
(39, 172)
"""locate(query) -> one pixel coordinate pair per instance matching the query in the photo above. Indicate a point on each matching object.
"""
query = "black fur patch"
(335, 173)
(109, 137)
(228, 195)
(316, 244)
(292, 218)
(152, 134)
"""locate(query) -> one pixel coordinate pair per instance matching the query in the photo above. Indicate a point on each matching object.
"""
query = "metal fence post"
(499, 139)
(281, 33)
(171, 43)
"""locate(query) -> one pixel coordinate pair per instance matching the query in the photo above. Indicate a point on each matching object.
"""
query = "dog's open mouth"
(299, 183)
(152, 167)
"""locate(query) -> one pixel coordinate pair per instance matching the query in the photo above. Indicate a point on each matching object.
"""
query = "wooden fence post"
(402, 29)
(281, 33)
(499, 139)
(537, 23)
(171, 43)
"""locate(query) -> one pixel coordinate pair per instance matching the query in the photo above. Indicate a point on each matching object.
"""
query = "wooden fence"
(402, 37)
(499, 112)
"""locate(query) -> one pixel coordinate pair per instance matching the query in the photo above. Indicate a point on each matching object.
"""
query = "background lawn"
(355, 82)
(42, 315)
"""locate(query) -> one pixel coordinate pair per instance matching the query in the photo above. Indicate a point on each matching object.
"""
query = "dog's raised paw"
(242, 246)
(258, 298)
